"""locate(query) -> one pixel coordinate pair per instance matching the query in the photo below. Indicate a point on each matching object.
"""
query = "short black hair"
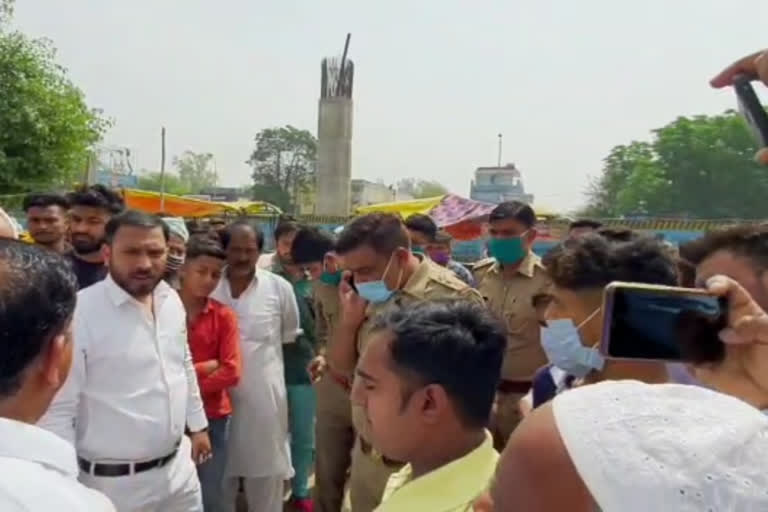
(687, 272)
(746, 240)
(44, 201)
(456, 344)
(226, 234)
(516, 210)
(443, 237)
(286, 226)
(310, 245)
(619, 234)
(97, 196)
(585, 223)
(204, 245)
(135, 219)
(422, 224)
(593, 261)
(37, 300)
(383, 232)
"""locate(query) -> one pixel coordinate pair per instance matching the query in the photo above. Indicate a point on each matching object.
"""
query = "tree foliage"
(195, 171)
(421, 188)
(698, 167)
(46, 128)
(284, 163)
(173, 183)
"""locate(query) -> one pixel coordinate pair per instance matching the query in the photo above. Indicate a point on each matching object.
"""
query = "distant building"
(222, 194)
(499, 184)
(366, 192)
(115, 180)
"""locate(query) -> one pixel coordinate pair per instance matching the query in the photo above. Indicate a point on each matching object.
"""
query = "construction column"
(334, 134)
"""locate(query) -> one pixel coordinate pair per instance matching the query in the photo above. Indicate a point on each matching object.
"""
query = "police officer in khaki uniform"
(334, 435)
(382, 273)
(508, 281)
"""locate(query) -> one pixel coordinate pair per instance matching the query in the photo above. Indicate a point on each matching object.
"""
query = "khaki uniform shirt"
(430, 281)
(326, 299)
(510, 299)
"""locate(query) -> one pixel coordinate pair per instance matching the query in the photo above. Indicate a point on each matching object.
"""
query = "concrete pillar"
(334, 156)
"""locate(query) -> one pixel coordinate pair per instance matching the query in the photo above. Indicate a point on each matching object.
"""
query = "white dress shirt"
(132, 388)
(268, 316)
(38, 473)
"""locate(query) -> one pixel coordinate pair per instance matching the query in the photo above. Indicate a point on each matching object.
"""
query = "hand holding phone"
(751, 108)
(662, 323)
(351, 304)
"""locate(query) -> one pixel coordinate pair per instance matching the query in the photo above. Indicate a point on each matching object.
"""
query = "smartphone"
(662, 323)
(751, 108)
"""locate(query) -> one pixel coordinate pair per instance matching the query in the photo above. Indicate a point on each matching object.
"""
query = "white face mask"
(561, 342)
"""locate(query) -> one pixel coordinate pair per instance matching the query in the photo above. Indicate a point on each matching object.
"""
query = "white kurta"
(268, 316)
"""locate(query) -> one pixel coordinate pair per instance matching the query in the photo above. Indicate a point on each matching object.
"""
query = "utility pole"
(498, 160)
(162, 170)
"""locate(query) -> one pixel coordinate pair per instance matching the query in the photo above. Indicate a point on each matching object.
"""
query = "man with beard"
(133, 390)
(268, 317)
(47, 220)
(91, 209)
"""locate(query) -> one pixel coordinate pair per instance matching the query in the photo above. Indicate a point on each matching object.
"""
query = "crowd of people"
(150, 364)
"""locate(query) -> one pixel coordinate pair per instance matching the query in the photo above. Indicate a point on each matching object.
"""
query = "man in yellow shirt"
(426, 382)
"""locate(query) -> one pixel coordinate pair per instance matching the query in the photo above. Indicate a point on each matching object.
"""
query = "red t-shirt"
(213, 335)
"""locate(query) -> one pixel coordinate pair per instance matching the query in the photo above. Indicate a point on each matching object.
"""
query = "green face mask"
(507, 250)
(417, 249)
(331, 278)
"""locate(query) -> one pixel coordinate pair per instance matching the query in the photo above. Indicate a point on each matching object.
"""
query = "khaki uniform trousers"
(506, 419)
(334, 438)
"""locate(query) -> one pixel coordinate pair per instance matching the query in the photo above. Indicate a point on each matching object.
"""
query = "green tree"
(700, 167)
(173, 184)
(46, 128)
(284, 163)
(196, 171)
(421, 188)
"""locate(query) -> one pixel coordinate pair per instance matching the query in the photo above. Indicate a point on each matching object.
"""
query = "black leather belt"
(128, 468)
(368, 450)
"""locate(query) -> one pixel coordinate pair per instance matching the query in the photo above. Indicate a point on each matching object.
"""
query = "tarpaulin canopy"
(178, 206)
(404, 208)
(463, 218)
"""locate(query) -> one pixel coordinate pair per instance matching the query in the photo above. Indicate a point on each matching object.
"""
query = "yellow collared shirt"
(451, 488)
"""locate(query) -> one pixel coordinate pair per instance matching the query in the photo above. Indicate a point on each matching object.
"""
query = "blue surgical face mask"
(377, 292)
(417, 249)
(561, 341)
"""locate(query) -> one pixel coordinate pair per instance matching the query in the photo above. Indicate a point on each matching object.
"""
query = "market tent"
(404, 208)
(463, 218)
(254, 207)
(178, 206)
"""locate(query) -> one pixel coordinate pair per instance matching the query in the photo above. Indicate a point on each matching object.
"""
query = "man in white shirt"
(268, 317)
(38, 470)
(132, 389)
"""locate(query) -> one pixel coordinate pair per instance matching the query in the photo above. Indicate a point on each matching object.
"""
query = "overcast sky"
(436, 81)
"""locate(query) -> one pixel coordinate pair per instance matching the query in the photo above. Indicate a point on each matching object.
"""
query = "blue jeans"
(301, 411)
(211, 472)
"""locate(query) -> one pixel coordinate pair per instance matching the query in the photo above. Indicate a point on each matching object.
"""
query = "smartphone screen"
(751, 109)
(664, 325)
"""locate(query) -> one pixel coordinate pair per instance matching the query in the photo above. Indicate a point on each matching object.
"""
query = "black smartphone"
(751, 108)
(351, 280)
(662, 323)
